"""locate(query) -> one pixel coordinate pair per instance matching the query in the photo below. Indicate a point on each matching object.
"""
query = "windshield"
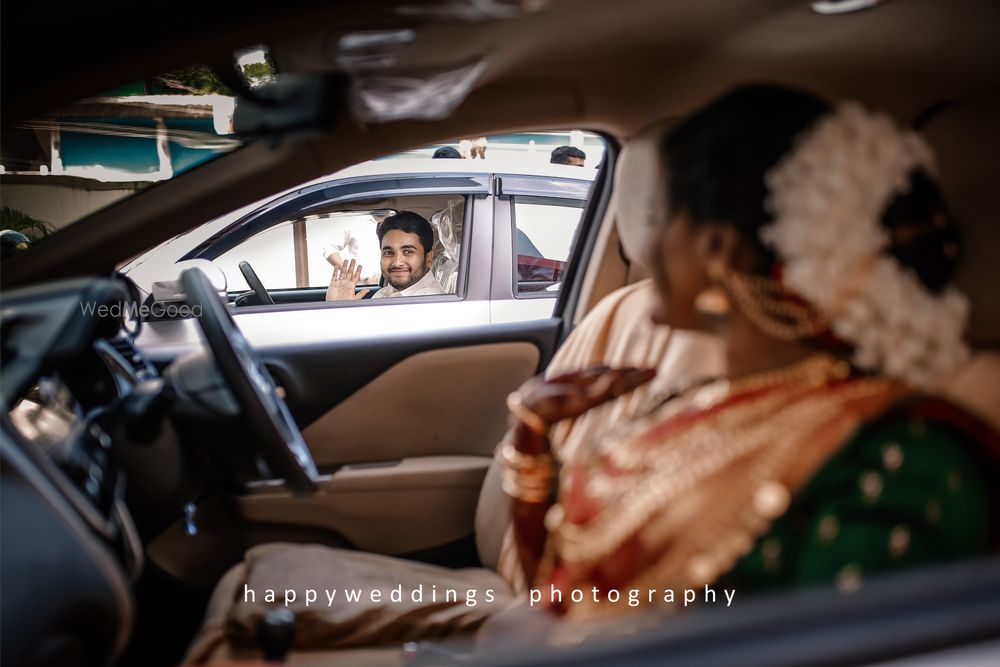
(67, 164)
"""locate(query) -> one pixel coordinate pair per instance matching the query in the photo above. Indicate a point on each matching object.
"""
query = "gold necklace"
(749, 502)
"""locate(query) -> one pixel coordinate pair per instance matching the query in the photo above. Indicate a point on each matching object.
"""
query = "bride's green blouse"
(904, 491)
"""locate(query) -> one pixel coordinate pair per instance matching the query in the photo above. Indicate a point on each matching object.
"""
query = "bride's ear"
(718, 243)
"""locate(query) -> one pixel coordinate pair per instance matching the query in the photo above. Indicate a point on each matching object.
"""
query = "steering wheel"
(252, 386)
(255, 284)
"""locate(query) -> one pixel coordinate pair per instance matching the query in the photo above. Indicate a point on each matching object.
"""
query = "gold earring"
(713, 301)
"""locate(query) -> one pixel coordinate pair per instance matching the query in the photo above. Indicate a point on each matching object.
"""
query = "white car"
(503, 236)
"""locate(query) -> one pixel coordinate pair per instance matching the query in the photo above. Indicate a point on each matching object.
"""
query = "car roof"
(626, 61)
(491, 165)
(610, 67)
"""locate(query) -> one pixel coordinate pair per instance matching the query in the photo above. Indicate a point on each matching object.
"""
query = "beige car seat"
(448, 226)
(966, 141)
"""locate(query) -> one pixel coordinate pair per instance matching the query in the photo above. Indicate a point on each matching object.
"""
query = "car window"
(286, 238)
(297, 253)
(292, 254)
(71, 162)
(544, 230)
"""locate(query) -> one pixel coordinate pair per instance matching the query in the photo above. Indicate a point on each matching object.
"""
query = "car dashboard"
(73, 389)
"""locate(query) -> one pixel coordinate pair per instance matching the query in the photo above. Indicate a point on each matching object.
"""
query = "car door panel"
(315, 324)
(407, 506)
(321, 322)
(371, 496)
(317, 378)
(423, 504)
(437, 402)
(523, 309)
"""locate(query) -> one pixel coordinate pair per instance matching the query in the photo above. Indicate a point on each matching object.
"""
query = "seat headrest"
(966, 140)
(639, 201)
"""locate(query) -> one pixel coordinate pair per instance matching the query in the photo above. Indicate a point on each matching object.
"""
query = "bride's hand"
(572, 394)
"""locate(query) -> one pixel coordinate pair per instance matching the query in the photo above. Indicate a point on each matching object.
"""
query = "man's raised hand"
(343, 281)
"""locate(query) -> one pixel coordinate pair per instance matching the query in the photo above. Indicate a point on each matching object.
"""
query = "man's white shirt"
(425, 286)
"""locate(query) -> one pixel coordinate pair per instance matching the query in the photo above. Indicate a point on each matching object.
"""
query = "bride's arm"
(530, 479)
(531, 474)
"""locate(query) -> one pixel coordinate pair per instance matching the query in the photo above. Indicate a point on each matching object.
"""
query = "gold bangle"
(527, 477)
(526, 415)
(537, 481)
(515, 487)
(534, 478)
(522, 462)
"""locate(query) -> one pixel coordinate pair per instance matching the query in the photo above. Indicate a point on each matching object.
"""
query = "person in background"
(447, 152)
(473, 148)
(568, 155)
(12, 242)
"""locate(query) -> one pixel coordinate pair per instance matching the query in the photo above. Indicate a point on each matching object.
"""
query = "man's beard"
(409, 279)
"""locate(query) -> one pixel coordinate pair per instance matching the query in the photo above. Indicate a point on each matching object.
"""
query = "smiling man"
(407, 242)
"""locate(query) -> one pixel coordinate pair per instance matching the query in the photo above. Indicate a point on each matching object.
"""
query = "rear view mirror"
(290, 103)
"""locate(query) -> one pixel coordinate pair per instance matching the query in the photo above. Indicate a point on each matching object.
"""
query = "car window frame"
(337, 191)
(507, 188)
(469, 186)
(542, 200)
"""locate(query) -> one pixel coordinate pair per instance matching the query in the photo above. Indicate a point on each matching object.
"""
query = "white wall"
(58, 204)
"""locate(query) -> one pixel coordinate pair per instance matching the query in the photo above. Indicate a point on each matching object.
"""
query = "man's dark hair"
(411, 223)
(562, 155)
(446, 152)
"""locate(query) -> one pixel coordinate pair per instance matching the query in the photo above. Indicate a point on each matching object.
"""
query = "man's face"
(403, 259)
(575, 161)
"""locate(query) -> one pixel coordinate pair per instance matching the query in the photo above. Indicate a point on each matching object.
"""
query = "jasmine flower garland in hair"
(827, 198)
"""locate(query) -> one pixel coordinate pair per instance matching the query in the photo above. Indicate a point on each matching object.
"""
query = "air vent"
(139, 364)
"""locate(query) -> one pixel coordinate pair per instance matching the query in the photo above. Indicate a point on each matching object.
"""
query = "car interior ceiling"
(672, 59)
(679, 55)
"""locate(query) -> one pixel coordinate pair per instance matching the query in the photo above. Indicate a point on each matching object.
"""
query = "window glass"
(66, 164)
(544, 230)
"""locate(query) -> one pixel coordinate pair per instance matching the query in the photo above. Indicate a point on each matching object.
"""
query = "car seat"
(448, 225)
(965, 137)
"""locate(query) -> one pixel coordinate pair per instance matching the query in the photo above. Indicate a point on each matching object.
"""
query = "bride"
(815, 243)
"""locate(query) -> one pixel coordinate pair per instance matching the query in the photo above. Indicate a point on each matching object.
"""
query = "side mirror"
(167, 298)
(171, 291)
(291, 103)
